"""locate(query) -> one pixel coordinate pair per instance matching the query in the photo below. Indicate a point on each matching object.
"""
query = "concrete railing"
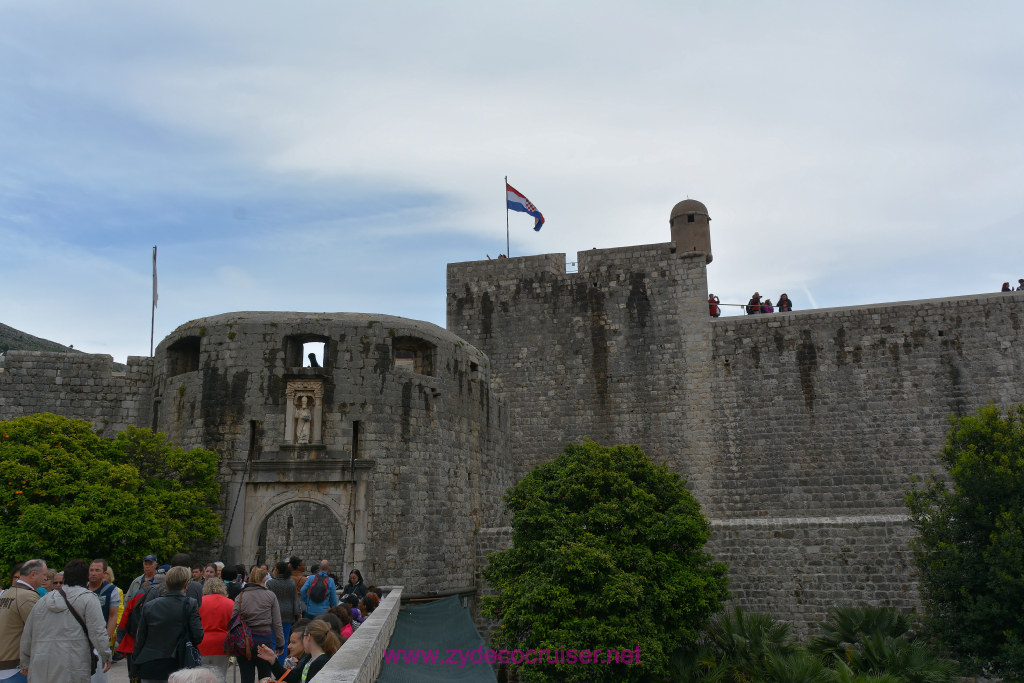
(359, 659)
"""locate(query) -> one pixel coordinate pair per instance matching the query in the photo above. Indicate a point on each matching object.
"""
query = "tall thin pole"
(152, 317)
(508, 251)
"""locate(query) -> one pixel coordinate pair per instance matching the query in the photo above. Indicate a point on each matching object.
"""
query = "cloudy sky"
(335, 156)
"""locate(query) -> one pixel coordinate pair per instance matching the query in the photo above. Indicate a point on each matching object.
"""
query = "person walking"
(319, 592)
(64, 628)
(287, 599)
(259, 607)
(215, 614)
(15, 608)
(164, 621)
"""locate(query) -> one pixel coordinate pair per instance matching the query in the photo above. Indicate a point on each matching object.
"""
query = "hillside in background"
(11, 338)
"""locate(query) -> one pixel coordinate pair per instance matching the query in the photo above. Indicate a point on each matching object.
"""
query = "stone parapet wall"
(79, 385)
(831, 412)
(359, 659)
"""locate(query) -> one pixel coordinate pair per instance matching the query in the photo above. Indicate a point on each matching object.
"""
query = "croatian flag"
(517, 202)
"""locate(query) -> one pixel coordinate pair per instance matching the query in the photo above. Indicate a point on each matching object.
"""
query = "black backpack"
(318, 589)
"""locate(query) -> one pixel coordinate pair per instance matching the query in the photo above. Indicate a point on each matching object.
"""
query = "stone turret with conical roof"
(691, 227)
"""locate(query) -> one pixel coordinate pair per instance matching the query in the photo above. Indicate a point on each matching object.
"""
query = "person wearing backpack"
(259, 608)
(319, 592)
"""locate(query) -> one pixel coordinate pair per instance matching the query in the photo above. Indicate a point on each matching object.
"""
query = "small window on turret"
(305, 351)
(414, 354)
(183, 356)
(691, 218)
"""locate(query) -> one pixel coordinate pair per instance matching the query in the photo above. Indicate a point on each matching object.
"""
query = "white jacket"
(54, 648)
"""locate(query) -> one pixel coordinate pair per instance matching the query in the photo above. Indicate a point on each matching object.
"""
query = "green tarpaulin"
(432, 634)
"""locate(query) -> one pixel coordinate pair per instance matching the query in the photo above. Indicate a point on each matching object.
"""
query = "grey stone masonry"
(77, 385)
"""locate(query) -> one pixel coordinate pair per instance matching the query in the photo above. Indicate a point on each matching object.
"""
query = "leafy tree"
(970, 547)
(70, 493)
(607, 553)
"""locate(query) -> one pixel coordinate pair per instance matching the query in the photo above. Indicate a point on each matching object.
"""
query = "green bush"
(970, 546)
(607, 553)
(70, 493)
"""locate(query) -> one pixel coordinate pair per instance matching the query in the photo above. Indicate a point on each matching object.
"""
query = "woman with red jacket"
(215, 613)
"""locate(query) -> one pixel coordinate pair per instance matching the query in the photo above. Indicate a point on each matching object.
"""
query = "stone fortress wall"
(798, 432)
(78, 384)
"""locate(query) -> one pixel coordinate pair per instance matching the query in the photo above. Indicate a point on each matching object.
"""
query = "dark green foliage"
(69, 493)
(970, 548)
(856, 645)
(607, 553)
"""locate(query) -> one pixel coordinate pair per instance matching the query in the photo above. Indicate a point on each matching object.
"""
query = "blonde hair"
(215, 586)
(258, 575)
(110, 574)
(177, 578)
(320, 631)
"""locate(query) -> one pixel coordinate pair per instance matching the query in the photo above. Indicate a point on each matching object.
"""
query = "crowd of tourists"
(177, 622)
(754, 306)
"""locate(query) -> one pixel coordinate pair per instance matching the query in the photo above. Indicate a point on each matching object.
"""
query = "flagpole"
(508, 251)
(153, 312)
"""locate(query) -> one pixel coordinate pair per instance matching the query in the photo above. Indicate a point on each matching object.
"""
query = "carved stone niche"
(303, 417)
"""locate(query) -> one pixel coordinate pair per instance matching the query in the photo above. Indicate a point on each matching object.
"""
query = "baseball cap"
(149, 558)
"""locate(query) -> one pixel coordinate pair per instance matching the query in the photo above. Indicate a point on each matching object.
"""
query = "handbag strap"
(75, 614)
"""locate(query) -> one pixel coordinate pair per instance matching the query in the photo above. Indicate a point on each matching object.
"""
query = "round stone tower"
(691, 227)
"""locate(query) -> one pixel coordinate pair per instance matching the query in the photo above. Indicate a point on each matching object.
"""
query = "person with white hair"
(198, 675)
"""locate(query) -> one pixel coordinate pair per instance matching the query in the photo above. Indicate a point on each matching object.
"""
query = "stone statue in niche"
(303, 420)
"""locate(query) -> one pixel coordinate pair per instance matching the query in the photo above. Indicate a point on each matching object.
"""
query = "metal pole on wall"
(152, 317)
(508, 250)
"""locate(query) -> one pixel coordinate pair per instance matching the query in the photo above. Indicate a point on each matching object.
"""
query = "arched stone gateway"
(387, 455)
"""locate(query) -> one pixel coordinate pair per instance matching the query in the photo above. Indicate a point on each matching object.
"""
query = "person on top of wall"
(713, 306)
(1007, 287)
(784, 305)
(1021, 288)
(754, 305)
(767, 307)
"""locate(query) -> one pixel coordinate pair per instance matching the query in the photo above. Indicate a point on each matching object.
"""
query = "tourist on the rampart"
(16, 605)
(1007, 287)
(713, 306)
(767, 307)
(63, 630)
(106, 592)
(784, 305)
(1021, 283)
(754, 305)
(149, 567)
(215, 613)
(259, 607)
(287, 598)
(296, 659)
(319, 592)
(164, 620)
